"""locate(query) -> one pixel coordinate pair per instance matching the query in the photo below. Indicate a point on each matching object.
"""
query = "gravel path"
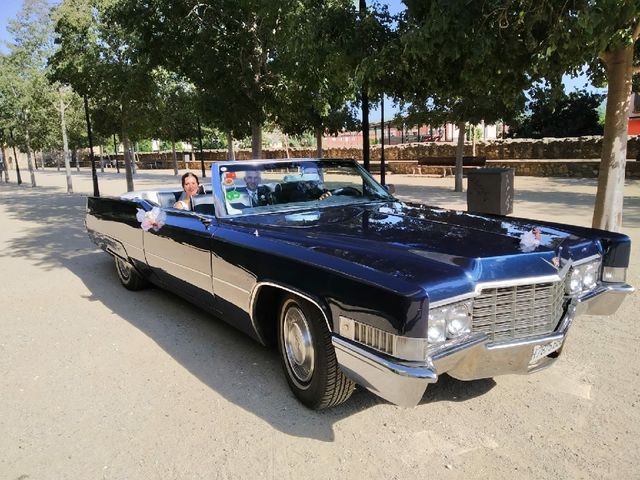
(97, 382)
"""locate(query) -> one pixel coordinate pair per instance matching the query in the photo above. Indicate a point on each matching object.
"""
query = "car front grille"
(518, 312)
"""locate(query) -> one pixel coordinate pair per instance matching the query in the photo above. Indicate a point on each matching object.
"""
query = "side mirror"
(391, 188)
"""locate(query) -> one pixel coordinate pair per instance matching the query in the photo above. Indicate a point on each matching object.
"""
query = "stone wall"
(509, 149)
(549, 157)
(531, 168)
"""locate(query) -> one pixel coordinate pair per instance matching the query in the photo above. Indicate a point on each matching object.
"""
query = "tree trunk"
(607, 214)
(101, 159)
(175, 157)
(30, 159)
(65, 145)
(230, 153)
(319, 142)
(134, 158)
(15, 154)
(256, 140)
(115, 153)
(285, 145)
(5, 162)
(459, 155)
(473, 140)
(74, 155)
(127, 158)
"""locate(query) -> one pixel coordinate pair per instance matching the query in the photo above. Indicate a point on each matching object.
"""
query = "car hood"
(421, 244)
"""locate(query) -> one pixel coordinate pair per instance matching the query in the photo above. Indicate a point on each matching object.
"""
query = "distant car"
(357, 287)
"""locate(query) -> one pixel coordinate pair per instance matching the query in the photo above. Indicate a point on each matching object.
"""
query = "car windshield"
(263, 187)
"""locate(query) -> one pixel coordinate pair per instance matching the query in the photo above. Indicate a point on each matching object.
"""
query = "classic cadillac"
(357, 287)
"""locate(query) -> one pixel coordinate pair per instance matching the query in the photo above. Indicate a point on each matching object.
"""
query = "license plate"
(541, 351)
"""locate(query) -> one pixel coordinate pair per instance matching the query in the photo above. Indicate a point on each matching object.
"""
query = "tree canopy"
(551, 114)
(162, 67)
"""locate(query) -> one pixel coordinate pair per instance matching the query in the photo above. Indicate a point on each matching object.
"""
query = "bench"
(150, 164)
(448, 164)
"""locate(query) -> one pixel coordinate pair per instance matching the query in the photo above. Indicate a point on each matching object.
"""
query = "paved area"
(100, 382)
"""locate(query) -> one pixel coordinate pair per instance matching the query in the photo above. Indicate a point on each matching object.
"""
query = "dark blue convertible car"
(356, 287)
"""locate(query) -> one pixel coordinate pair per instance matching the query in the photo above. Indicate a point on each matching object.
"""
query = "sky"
(10, 8)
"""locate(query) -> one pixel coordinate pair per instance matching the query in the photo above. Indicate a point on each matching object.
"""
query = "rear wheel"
(128, 275)
(308, 357)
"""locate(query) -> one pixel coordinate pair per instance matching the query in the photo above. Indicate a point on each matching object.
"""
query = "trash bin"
(490, 190)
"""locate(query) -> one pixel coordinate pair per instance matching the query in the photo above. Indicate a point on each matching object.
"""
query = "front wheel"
(129, 276)
(308, 358)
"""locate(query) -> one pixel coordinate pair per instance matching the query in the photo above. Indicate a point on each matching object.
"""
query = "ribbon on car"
(154, 219)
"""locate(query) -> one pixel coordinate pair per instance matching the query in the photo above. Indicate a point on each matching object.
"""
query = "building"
(634, 114)
(395, 134)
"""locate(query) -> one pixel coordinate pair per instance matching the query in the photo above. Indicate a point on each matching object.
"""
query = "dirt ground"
(97, 382)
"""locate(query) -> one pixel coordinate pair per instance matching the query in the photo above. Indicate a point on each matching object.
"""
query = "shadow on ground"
(224, 359)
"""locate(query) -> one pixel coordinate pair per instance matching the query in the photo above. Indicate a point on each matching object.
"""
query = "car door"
(179, 255)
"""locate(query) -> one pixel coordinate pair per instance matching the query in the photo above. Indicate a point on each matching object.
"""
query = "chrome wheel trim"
(124, 270)
(298, 344)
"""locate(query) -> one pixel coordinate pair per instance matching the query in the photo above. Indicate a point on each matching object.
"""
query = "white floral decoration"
(530, 240)
(154, 219)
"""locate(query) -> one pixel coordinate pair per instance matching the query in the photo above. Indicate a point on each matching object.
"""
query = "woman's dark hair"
(189, 174)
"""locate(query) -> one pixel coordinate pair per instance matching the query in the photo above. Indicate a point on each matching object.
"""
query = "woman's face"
(190, 186)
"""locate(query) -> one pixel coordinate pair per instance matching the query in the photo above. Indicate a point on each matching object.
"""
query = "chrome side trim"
(254, 295)
(401, 384)
(233, 285)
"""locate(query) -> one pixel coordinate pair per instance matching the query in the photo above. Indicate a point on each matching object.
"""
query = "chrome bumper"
(404, 383)
(604, 300)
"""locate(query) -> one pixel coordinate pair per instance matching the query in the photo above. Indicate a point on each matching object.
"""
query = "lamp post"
(94, 174)
(382, 165)
(365, 101)
(204, 174)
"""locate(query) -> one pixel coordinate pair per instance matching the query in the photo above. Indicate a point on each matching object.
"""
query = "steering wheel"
(350, 191)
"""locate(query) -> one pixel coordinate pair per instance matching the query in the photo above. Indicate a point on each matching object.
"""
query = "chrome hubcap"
(298, 344)
(123, 269)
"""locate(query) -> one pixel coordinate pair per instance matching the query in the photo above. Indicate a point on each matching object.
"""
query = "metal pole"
(204, 175)
(365, 103)
(94, 174)
(382, 165)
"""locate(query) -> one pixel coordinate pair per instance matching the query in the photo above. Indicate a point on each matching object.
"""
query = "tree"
(225, 48)
(455, 64)
(176, 107)
(315, 68)
(98, 58)
(501, 43)
(562, 37)
(25, 91)
(557, 114)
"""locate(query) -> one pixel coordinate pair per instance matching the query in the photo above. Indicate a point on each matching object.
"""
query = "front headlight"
(583, 277)
(449, 321)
